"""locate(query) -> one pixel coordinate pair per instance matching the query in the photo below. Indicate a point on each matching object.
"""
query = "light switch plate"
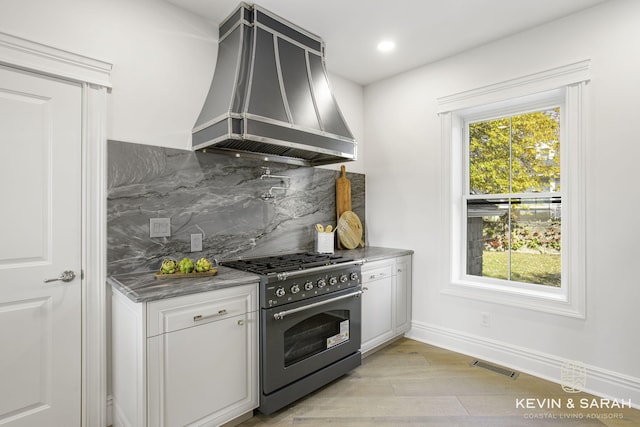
(196, 242)
(159, 227)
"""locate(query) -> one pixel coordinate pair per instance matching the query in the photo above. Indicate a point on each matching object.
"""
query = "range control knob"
(354, 276)
(321, 283)
(343, 278)
(308, 285)
(295, 289)
(333, 281)
(280, 292)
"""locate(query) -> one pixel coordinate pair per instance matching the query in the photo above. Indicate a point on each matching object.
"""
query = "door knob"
(66, 276)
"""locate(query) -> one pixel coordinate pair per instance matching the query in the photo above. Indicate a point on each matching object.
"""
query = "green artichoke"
(186, 265)
(169, 266)
(203, 265)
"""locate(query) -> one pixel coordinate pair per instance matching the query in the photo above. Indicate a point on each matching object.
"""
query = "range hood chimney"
(270, 96)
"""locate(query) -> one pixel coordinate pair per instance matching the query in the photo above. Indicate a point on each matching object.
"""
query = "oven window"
(315, 334)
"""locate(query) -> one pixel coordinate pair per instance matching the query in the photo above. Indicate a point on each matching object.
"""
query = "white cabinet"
(377, 303)
(386, 301)
(403, 294)
(189, 360)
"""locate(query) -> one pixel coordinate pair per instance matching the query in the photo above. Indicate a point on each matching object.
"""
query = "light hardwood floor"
(412, 384)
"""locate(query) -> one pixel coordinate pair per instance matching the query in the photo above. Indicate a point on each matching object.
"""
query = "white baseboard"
(109, 410)
(599, 382)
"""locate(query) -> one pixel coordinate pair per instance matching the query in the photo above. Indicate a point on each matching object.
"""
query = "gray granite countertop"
(373, 253)
(144, 287)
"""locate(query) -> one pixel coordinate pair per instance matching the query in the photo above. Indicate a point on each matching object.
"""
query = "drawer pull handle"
(241, 322)
(200, 317)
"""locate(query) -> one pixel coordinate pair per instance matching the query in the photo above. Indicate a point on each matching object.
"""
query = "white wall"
(350, 99)
(162, 58)
(404, 198)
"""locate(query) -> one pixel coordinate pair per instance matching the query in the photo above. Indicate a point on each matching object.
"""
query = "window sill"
(553, 300)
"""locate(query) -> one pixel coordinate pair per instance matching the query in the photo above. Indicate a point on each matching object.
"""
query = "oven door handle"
(282, 314)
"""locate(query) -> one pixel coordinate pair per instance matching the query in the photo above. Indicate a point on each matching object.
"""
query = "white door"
(40, 238)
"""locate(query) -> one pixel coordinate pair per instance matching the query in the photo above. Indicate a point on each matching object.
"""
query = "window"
(516, 191)
(512, 197)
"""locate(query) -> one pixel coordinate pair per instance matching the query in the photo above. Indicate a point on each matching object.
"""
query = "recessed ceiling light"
(386, 46)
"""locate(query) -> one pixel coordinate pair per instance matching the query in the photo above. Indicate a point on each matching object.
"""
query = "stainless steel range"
(310, 322)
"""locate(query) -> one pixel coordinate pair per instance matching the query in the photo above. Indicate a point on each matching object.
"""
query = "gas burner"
(285, 262)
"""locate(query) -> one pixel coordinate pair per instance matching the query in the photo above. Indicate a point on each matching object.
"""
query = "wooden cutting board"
(349, 230)
(343, 196)
(343, 193)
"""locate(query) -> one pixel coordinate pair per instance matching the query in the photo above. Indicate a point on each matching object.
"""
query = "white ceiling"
(424, 30)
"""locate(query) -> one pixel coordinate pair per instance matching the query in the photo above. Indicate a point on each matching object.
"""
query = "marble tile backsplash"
(218, 196)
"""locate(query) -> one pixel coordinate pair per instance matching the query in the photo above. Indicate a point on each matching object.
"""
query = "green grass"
(535, 268)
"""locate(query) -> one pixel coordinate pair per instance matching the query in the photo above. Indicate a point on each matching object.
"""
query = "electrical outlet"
(159, 227)
(485, 320)
(196, 242)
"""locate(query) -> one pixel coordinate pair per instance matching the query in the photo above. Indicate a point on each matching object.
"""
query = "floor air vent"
(495, 368)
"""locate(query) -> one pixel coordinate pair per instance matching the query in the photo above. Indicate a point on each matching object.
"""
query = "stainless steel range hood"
(270, 96)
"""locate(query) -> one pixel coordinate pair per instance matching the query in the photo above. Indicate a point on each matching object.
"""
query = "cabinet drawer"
(378, 270)
(194, 310)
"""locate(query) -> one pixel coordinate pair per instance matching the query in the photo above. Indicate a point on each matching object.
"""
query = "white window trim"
(570, 299)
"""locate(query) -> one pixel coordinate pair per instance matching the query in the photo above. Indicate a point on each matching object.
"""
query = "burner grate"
(285, 262)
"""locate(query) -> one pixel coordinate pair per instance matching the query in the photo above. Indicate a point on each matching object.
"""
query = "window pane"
(516, 154)
(514, 239)
(535, 151)
(536, 242)
(489, 156)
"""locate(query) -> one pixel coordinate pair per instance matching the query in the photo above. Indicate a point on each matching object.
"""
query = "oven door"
(303, 337)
